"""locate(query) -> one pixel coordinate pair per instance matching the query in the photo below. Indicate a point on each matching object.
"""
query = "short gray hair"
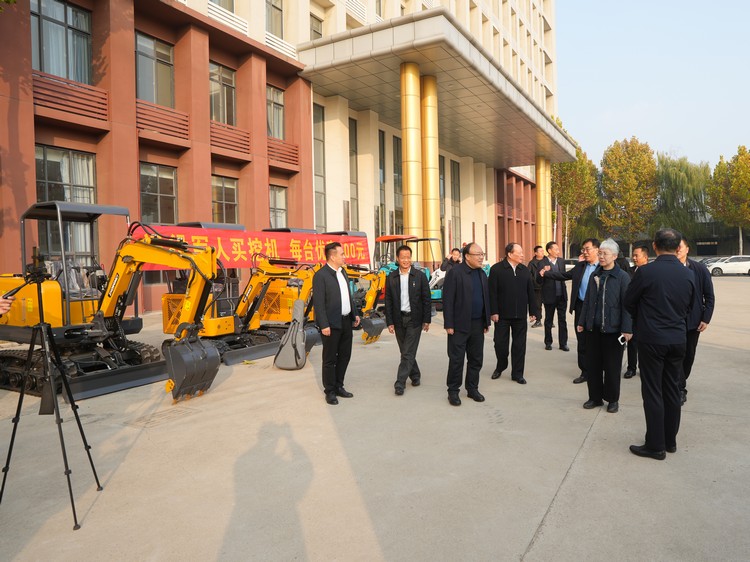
(610, 245)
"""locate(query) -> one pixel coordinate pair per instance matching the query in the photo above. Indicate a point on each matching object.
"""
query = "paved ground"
(260, 468)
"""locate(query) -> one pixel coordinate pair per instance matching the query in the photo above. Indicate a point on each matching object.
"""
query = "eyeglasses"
(586, 250)
(480, 255)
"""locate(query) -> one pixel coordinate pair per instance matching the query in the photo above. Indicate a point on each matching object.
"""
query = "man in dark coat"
(640, 259)
(511, 298)
(580, 275)
(335, 315)
(453, 259)
(660, 297)
(407, 312)
(534, 266)
(700, 314)
(554, 297)
(466, 318)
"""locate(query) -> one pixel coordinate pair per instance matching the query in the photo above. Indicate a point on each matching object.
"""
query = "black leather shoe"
(589, 404)
(331, 398)
(536, 324)
(454, 399)
(496, 374)
(520, 381)
(564, 348)
(579, 380)
(672, 449)
(548, 346)
(474, 395)
(613, 407)
(342, 393)
(399, 392)
(629, 374)
(642, 451)
(416, 382)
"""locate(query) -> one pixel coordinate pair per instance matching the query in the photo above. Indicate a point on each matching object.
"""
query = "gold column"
(430, 168)
(411, 141)
(542, 205)
(550, 209)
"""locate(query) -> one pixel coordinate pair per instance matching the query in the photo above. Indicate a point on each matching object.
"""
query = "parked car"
(709, 261)
(732, 264)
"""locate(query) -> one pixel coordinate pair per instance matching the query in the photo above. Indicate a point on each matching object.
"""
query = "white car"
(733, 264)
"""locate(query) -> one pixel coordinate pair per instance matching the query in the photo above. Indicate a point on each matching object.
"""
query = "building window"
(275, 17)
(61, 40)
(275, 112)
(456, 202)
(398, 187)
(65, 175)
(353, 183)
(226, 4)
(278, 206)
(224, 199)
(316, 28)
(154, 64)
(158, 204)
(319, 167)
(381, 178)
(222, 93)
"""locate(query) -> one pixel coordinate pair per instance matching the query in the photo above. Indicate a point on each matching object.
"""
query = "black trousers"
(503, 329)
(538, 295)
(337, 350)
(687, 364)
(661, 368)
(580, 339)
(632, 354)
(471, 346)
(549, 318)
(407, 338)
(603, 363)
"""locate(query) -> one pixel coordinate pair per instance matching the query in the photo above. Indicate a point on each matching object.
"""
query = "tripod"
(53, 368)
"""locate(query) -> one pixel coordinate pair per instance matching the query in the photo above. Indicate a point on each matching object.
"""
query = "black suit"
(555, 299)
(511, 298)
(702, 311)
(407, 325)
(467, 340)
(337, 347)
(633, 343)
(660, 297)
(576, 304)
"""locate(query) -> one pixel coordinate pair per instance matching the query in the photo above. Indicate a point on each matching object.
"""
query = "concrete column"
(480, 202)
(411, 136)
(430, 169)
(467, 199)
(367, 176)
(337, 160)
(491, 182)
(298, 115)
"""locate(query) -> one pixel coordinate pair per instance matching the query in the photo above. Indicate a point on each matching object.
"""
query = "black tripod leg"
(17, 418)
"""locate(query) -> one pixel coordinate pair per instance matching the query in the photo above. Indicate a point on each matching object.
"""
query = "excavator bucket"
(372, 326)
(192, 365)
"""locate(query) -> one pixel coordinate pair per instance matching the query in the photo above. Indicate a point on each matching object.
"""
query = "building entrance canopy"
(482, 112)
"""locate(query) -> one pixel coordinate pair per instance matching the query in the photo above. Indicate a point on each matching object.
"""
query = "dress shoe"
(672, 449)
(399, 392)
(416, 382)
(548, 346)
(642, 451)
(629, 374)
(536, 324)
(564, 348)
(520, 380)
(342, 393)
(475, 396)
(331, 398)
(453, 399)
(580, 379)
(613, 407)
(496, 374)
(589, 404)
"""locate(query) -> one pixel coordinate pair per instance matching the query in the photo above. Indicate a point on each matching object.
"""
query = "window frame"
(156, 95)
(275, 211)
(224, 183)
(225, 79)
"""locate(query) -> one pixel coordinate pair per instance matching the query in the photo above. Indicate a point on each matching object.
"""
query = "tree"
(6, 2)
(729, 191)
(628, 188)
(681, 193)
(574, 190)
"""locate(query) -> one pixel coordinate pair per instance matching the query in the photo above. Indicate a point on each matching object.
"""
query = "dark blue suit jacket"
(703, 306)
(457, 293)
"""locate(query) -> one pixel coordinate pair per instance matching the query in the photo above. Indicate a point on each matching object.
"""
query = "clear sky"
(674, 73)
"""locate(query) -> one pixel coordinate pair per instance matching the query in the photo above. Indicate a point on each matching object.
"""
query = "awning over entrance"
(482, 112)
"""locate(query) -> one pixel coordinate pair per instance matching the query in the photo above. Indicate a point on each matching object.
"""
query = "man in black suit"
(554, 297)
(466, 318)
(335, 315)
(407, 312)
(580, 275)
(700, 314)
(511, 298)
(640, 259)
(659, 298)
(534, 265)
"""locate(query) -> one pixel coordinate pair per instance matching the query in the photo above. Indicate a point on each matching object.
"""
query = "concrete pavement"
(261, 468)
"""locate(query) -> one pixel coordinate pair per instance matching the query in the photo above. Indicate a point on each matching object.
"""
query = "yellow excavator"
(367, 286)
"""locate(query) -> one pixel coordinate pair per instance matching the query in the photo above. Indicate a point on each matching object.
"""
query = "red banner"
(237, 248)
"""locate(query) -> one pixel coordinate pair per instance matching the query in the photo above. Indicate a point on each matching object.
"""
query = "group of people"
(657, 310)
